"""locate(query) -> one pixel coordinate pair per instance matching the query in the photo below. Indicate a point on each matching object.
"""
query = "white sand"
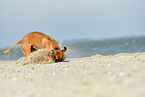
(97, 76)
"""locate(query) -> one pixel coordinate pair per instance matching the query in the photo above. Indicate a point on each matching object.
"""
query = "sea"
(88, 47)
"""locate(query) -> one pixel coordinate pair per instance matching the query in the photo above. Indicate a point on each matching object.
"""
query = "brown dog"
(37, 40)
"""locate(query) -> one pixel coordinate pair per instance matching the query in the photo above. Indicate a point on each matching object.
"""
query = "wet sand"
(121, 75)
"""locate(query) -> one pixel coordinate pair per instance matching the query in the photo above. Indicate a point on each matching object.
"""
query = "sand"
(121, 75)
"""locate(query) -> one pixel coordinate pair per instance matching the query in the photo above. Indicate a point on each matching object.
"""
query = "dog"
(38, 40)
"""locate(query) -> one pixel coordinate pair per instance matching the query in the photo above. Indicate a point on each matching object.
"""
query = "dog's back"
(37, 39)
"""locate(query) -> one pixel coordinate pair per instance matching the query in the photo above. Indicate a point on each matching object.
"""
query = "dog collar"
(55, 49)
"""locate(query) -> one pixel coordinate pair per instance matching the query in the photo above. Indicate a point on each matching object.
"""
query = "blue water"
(89, 47)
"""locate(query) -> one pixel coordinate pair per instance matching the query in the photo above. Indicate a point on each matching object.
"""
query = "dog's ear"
(64, 49)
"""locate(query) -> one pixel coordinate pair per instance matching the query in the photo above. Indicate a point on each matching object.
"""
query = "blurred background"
(86, 27)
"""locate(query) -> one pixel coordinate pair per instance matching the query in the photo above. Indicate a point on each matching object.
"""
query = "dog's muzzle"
(57, 60)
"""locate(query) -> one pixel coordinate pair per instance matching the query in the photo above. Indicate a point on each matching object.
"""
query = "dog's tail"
(11, 47)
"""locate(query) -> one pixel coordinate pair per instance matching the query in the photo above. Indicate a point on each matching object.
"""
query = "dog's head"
(58, 55)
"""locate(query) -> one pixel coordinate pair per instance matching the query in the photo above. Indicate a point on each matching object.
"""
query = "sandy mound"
(37, 57)
(121, 75)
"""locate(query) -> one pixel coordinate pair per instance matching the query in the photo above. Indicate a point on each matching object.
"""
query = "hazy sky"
(71, 19)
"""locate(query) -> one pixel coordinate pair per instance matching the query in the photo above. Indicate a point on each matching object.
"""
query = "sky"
(71, 19)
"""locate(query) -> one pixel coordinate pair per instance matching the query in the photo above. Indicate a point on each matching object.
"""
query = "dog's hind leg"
(33, 48)
(26, 48)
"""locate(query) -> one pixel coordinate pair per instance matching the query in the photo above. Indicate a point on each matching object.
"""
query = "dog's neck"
(55, 49)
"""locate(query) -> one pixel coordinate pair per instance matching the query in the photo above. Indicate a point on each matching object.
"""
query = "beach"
(122, 75)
